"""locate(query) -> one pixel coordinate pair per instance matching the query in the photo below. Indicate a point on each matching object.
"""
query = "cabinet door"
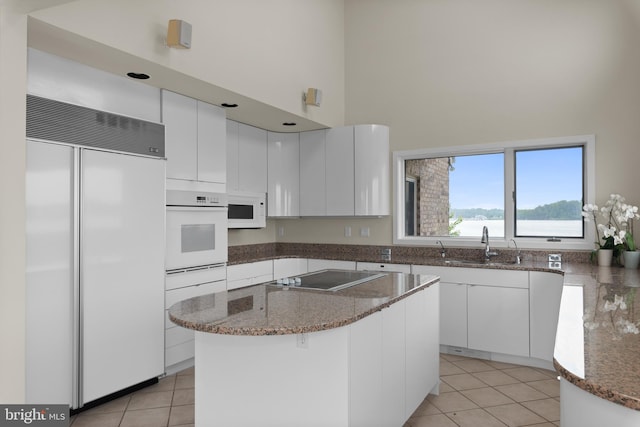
(422, 349)
(180, 118)
(453, 314)
(283, 159)
(313, 190)
(212, 147)
(498, 319)
(339, 171)
(372, 170)
(545, 292)
(232, 155)
(366, 406)
(393, 364)
(252, 159)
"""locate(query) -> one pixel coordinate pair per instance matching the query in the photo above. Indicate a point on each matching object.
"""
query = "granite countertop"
(597, 342)
(267, 309)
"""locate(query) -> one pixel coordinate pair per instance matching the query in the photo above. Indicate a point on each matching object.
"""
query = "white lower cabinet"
(179, 342)
(365, 369)
(453, 314)
(545, 293)
(498, 319)
(422, 346)
(483, 309)
(394, 376)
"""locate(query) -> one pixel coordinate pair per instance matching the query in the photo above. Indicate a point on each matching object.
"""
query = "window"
(549, 188)
(532, 191)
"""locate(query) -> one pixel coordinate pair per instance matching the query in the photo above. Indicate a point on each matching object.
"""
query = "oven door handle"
(197, 208)
(198, 268)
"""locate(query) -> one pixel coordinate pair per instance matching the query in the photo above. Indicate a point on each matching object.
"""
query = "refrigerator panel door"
(49, 273)
(122, 271)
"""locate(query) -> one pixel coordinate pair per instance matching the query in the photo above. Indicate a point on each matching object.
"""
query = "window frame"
(508, 148)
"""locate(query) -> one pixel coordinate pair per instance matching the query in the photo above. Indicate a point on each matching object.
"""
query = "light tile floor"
(481, 393)
(473, 393)
(167, 403)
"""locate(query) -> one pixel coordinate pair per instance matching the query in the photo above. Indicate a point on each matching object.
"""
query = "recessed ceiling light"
(229, 105)
(139, 76)
(288, 124)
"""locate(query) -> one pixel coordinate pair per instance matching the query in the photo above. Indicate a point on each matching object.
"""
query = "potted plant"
(609, 245)
(624, 215)
(617, 230)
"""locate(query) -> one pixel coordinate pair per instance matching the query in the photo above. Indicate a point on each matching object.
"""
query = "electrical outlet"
(364, 231)
(281, 231)
(302, 341)
(347, 231)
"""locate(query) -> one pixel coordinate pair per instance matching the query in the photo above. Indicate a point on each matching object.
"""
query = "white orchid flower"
(619, 301)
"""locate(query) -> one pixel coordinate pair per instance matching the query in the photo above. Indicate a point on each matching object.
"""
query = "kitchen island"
(272, 355)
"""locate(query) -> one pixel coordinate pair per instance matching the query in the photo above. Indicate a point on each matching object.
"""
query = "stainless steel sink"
(499, 263)
(462, 261)
(473, 262)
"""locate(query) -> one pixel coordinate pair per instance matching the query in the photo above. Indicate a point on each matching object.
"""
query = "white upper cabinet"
(195, 135)
(283, 159)
(344, 171)
(246, 158)
(372, 170)
(340, 171)
(212, 159)
(312, 173)
(232, 155)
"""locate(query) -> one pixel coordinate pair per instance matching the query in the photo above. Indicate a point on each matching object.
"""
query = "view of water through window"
(457, 196)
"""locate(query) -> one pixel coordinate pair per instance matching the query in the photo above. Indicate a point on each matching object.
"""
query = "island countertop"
(267, 309)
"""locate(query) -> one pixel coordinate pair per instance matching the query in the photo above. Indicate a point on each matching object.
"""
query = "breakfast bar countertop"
(268, 309)
(598, 341)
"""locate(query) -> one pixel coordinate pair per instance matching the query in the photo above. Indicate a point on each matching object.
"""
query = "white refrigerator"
(95, 272)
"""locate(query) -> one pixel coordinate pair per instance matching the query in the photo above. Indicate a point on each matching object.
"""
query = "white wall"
(444, 73)
(13, 75)
(270, 51)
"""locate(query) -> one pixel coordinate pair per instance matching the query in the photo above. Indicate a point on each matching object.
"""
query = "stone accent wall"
(432, 177)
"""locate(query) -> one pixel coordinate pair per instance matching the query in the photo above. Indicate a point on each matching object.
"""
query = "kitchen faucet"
(518, 257)
(485, 239)
(443, 252)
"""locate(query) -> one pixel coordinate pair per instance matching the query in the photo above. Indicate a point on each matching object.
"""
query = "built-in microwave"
(247, 210)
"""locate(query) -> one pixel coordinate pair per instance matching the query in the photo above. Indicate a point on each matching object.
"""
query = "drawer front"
(249, 270)
(179, 280)
(175, 295)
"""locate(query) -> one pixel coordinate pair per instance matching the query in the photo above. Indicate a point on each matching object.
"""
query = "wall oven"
(196, 229)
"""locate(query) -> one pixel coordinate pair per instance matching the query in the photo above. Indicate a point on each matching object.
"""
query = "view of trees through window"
(457, 196)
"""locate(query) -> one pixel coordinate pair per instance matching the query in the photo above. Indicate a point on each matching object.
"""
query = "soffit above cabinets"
(57, 41)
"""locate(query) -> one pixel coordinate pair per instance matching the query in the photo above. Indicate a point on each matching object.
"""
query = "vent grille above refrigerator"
(57, 121)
